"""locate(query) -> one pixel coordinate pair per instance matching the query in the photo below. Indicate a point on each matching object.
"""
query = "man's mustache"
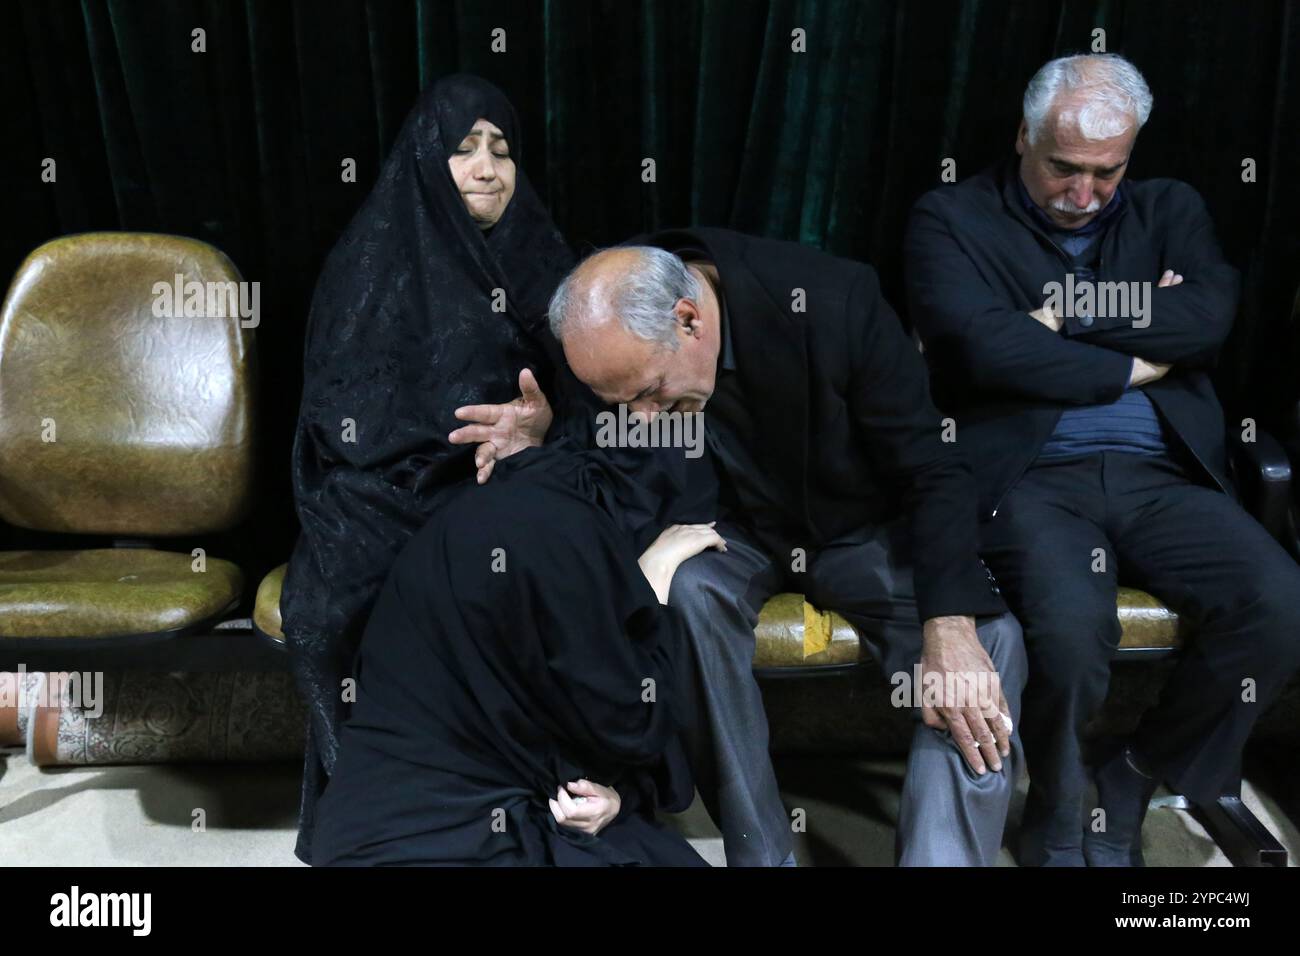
(1065, 206)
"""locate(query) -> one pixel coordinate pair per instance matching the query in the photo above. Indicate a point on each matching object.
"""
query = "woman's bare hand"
(502, 430)
(585, 806)
(677, 543)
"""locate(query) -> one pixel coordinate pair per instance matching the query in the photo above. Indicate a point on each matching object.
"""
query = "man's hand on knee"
(970, 705)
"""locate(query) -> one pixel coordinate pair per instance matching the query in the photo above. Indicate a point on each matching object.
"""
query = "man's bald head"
(639, 326)
(639, 286)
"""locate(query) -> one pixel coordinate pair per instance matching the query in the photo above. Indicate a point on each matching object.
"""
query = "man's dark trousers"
(1061, 541)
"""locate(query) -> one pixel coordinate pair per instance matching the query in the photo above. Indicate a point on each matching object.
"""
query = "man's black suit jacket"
(976, 266)
(842, 412)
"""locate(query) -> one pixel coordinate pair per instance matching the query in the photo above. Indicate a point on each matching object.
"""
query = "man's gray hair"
(1116, 95)
(643, 298)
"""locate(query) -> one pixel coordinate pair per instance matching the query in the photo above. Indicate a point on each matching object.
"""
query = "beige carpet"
(151, 815)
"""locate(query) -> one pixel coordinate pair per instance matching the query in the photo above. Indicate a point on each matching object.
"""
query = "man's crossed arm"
(1000, 348)
(1144, 372)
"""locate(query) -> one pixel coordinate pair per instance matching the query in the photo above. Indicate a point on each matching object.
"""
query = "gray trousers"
(950, 816)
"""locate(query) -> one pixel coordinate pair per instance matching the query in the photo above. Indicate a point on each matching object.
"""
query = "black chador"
(402, 331)
(516, 646)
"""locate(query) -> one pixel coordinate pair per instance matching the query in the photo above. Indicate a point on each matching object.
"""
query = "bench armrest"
(1262, 471)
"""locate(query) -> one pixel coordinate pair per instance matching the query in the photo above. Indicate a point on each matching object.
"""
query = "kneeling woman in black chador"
(434, 298)
(520, 685)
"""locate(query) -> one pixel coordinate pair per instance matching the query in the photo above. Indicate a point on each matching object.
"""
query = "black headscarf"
(402, 331)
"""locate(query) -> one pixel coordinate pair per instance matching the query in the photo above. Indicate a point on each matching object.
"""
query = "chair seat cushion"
(792, 633)
(1146, 623)
(109, 592)
(266, 610)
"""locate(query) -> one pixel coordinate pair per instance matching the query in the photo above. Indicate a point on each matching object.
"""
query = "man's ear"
(1022, 138)
(689, 318)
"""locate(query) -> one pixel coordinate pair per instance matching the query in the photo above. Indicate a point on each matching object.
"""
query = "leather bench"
(794, 638)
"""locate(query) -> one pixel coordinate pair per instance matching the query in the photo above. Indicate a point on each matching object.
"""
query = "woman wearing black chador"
(521, 684)
(434, 298)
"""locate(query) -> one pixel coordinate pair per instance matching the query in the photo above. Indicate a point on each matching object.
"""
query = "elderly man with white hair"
(1070, 316)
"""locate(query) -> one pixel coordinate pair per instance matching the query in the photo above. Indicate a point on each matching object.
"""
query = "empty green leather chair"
(120, 423)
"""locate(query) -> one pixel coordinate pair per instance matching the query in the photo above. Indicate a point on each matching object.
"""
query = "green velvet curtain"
(241, 145)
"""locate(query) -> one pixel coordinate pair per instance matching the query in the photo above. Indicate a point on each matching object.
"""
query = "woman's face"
(484, 173)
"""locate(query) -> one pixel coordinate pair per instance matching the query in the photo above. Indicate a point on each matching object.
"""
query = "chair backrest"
(119, 413)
